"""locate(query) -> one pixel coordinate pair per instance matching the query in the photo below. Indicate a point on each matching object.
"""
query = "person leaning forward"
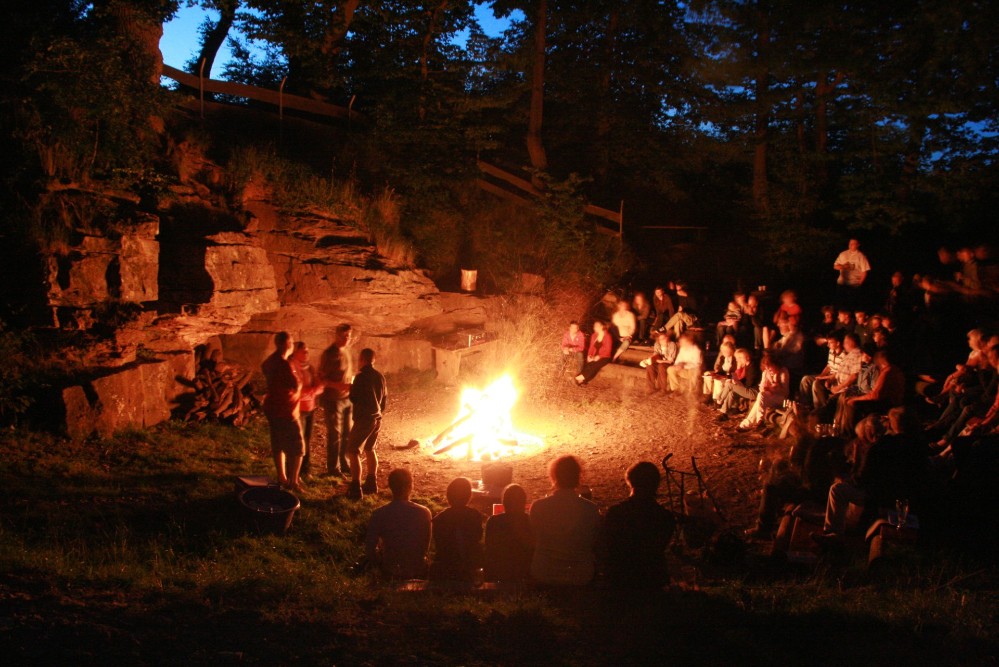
(335, 374)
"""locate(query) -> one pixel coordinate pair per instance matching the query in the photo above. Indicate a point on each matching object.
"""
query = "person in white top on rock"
(853, 268)
(685, 373)
(624, 321)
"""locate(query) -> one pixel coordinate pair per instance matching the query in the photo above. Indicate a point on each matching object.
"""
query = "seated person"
(663, 306)
(844, 378)
(789, 349)
(565, 529)
(826, 327)
(643, 316)
(728, 325)
(686, 311)
(509, 540)
(753, 316)
(599, 354)
(636, 533)
(789, 310)
(972, 401)
(399, 533)
(573, 347)
(624, 322)
(715, 379)
(685, 372)
(814, 389)
(663, 355)
(457, 536)
(888, 392)
(861, 326)
(772, 393)
(741, 384)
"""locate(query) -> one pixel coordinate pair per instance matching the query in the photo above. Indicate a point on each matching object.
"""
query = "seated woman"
(715, 379)
(774, 388)
(457, 533)
(599, 354)
(962, 374)
(742, 383)
(509, 540)
(643, 316)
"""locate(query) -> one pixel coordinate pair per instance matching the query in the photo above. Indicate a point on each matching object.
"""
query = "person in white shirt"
(625, 323)
(685, 373)
(853, 268)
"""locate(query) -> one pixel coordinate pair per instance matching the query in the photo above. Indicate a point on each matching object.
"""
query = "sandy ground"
(609, 428)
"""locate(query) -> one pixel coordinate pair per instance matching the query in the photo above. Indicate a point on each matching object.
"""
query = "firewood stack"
(222, 393)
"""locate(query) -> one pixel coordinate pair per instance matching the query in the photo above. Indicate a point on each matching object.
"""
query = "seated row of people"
(562, 541)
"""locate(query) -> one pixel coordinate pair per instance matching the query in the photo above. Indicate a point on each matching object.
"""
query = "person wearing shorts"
(281, 407)
(367, 397)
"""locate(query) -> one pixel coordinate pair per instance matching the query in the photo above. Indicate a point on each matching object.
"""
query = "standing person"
(637, 532)
(335, 372)
(311, 388)
(853, 268)
(599, 354)
(625, 323)
(367, 397)
(399, 533)
(573, 346)
(284, 390)
(565, 529)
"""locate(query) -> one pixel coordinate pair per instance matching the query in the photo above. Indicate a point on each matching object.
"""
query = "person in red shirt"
(573, 346)
(599, 354)
(281, 407)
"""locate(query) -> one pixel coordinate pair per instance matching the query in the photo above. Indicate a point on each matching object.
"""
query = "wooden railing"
(616, 217)
(278, 98)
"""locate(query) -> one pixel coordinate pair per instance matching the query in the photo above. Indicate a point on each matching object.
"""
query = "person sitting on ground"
(814, 389)
(862, 326)
(624, 322)
(457, 535)
(753, 315)
(663, 306)
(844, 322)
(888, 392)
(685, 372)
(399, 533)
(573, 348)
(962, 374)
(743, 383)
(686, 311)
(643, 316)
(663, 355)
(826, 327)
(788, 310)
(565, 529)
(866, 379)
(774, 387)
(599, 354)
(844, 378)
(728, 325)
(509, 540)
(637, 532)
(715, 379)
(789, 349)
(971, 402)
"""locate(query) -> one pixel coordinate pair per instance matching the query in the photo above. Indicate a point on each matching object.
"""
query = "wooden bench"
(447, 361)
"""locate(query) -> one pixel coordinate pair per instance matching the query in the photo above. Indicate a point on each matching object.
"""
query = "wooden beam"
(500, 192)
(516, 182)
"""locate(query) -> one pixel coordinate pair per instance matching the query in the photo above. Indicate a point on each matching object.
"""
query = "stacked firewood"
(222, 393)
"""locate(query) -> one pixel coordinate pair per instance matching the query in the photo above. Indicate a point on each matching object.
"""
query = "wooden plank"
(613, 216)
(500, 192)
(670, 227)
(516, 182)
(261, 94)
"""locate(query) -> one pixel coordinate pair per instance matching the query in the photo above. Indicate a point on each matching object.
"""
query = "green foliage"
(19, 378)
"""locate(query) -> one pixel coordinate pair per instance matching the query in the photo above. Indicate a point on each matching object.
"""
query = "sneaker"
(354, 491)
(370, 487)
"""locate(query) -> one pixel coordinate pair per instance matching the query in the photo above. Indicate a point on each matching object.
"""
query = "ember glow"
(483, 429)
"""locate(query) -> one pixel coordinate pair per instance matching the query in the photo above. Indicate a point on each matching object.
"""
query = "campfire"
(483, 429)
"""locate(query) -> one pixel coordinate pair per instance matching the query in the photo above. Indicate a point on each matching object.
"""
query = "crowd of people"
(877, 371)
(561, 540)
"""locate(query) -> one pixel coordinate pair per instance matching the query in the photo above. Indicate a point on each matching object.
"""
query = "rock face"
(139, 394)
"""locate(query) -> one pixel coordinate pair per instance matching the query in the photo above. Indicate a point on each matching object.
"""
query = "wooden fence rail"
(616, 217)
(278, 98)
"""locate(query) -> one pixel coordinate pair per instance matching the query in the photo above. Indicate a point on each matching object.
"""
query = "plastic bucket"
(270, 508)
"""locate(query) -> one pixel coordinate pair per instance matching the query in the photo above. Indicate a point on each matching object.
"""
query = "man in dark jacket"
(367, 398)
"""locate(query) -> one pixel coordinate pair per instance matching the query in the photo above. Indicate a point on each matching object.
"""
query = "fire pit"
(483, 429)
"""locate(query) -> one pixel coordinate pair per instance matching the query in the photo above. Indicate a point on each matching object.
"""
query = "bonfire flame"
(483, 429)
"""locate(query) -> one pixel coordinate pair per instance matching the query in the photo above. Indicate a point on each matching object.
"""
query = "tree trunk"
(333, 39)
(823, 91)
(535, 148)
(216, 36)
(606, 102)
(142, 33)
(428, 36)
(761, 198)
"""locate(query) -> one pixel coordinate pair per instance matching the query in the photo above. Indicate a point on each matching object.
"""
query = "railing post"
(620, 224)
(201, 87)
(350, 110)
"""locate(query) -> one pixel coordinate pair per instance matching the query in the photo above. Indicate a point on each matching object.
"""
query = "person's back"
(565, 529)
(399, 532)
(637, 532)
(509, 540)
(457, 536)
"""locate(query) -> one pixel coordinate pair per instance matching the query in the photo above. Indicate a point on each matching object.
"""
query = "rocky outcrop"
(138, 394)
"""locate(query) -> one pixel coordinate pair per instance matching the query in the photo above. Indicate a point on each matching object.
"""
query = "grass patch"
(134, 549)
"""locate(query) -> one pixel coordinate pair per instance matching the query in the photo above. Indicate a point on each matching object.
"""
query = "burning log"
(453, 426)
(466, 439)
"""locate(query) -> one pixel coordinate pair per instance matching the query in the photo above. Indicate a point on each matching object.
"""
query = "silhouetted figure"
(457, 536)
(509, 540)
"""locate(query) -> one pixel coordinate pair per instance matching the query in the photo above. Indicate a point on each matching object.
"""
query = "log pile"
(221, 393)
